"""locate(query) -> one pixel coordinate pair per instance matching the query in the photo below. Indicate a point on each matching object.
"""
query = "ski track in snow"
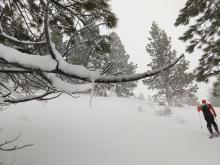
(114, 131)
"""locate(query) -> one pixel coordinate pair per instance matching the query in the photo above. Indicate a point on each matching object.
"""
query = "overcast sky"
(135, 20)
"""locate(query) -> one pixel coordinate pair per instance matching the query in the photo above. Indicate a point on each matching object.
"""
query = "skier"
(209, 114)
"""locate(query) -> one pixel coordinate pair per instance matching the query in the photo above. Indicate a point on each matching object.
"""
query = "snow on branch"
(47, 64)
(137, 76)
(47, 67)
(44, 63)
(67, 87)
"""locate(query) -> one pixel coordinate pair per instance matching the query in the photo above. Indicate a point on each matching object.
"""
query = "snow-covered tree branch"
(33, 55)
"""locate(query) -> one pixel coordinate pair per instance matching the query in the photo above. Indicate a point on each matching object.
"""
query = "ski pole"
(200, 120)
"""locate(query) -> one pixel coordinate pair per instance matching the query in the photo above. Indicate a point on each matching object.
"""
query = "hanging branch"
(49, 71)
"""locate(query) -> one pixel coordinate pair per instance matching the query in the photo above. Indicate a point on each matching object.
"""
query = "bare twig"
(15, 147)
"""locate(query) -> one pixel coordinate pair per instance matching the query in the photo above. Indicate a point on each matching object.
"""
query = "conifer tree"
(172, 85)
(202, 19)
(109, 57)
(121, 66)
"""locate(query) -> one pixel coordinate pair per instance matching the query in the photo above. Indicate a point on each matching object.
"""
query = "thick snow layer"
(67, 87)
(45, 63)
(114, 131)
(32, 61)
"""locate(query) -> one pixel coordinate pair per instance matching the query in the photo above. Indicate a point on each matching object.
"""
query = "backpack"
(206, 110)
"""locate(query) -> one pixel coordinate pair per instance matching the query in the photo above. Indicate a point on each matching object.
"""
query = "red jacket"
(210, 108)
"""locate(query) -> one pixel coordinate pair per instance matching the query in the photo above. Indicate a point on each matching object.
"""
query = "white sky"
(135, 20)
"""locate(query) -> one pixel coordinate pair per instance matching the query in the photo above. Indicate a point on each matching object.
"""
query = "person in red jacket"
(209, 114)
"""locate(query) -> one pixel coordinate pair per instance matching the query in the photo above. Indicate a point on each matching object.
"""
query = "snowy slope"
(114, 131)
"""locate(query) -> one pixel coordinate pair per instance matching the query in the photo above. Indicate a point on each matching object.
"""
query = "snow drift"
(115, 131)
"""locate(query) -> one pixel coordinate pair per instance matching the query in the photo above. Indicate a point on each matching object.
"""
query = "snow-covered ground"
(114, 131)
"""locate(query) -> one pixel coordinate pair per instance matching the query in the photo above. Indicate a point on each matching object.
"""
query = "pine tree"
(121, 66)
(109, 57)
(202, 19)
(175, 83)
